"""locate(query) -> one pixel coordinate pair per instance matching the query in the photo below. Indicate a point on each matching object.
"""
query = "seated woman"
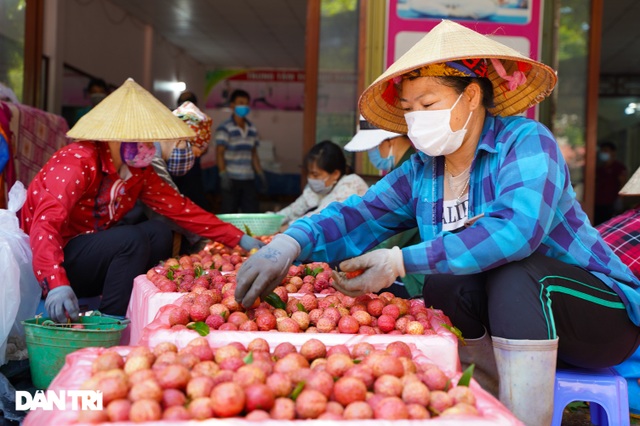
(328, 181)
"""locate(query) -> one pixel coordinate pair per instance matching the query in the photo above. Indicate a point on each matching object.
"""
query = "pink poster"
(515, 23)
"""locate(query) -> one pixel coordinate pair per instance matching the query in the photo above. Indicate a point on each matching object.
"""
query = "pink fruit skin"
(386, 323)
(391, 408)
(228, 399)
(310, 404)
(283, 409)
(349, 389)
(259, 397)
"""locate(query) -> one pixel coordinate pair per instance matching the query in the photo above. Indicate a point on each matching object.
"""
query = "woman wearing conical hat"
(509, 254)
(75, 205)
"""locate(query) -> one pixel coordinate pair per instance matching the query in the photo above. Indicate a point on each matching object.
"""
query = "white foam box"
(77, 370)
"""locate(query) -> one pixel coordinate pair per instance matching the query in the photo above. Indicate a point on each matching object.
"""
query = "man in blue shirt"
(238, 162)
(509, 254)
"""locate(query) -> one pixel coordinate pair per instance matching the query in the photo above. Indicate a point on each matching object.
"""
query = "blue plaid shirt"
(519, 181)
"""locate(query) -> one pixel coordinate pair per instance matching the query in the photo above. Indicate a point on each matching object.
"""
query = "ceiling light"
(170, 86)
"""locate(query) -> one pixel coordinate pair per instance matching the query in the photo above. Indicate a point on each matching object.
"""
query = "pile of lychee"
(335, 313)
(187, 272)
(259, 382)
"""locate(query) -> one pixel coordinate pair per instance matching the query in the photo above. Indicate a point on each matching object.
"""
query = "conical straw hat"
(449, 41)
(130, 114)
(632, 187)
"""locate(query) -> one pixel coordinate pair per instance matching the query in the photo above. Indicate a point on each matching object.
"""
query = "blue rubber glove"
(60, 300)
(248, 243)
(264, 271)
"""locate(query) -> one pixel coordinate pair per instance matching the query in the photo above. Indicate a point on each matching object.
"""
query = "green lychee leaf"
(297, 390)
(198, 271)
(200, 327)
(248, 359)
(170, 274)
(247, 230)
(174, 267)
(466, 376)
(301, 307)
(275, 301)
(456, 332)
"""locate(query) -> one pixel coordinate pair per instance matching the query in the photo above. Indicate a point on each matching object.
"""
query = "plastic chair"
(605, 390)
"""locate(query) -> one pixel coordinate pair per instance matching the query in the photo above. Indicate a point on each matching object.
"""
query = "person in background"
(327, 181)
(509, 254)
(190, 183)
(622, 234)
(175, 159)
(8, 95)
(611, 175)
(96, 90)
(76, 201)
(237, 158)
(387, 151)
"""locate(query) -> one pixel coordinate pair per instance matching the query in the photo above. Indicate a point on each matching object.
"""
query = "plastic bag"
(19, 292)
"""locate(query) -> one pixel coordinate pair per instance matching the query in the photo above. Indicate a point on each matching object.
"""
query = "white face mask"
(319, 186)
(430, 131)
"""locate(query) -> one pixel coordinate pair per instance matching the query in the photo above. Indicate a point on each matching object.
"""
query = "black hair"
(608, 144)
(99, 83)
(238, 93)
(187, 96)
(327, 156)
(461, 83)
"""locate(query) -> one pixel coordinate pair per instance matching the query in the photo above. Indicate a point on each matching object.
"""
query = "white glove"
(381, 268)
(61, 301)
(264, 271)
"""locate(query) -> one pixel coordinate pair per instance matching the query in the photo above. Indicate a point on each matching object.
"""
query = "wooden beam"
(591, 113)
(33, 40)
(311, 62)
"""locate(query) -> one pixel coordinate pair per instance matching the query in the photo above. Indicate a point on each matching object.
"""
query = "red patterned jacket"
(79, 191)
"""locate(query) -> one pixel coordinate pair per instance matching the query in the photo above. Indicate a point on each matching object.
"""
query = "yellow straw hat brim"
(130, 114)
(449, 41)
(632, 187)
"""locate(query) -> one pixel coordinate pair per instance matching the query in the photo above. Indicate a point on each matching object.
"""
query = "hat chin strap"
(515, 80)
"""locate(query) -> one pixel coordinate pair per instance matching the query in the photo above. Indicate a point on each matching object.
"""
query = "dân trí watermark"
(62, 400)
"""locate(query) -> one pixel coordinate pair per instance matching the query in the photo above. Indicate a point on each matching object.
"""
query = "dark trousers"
(106, 263)
(243, 197)
(539, 298)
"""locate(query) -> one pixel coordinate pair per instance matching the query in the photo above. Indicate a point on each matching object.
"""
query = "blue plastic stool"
(605, 390)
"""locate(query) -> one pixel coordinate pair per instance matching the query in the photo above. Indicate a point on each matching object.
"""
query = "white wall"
(101, 39)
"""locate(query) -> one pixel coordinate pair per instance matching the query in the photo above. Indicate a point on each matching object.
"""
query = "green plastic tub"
(256, 224)
(48, 345)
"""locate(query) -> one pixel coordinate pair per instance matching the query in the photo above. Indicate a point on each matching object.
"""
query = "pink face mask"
(137, 154)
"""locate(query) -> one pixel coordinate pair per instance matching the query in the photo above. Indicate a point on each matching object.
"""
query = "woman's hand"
(380, 269)
(264, 271)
